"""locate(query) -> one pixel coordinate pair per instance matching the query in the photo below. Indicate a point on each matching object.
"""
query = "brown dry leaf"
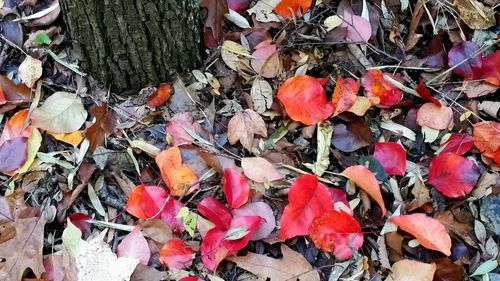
(105, 124)
(213, 12)
(421, 194)
(462, 230)
(413, 36)
(21, 232)
(292, 266)
(475, 14)
(410, 270)
(243, 126)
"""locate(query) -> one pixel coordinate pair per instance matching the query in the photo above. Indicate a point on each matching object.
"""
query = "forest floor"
(340, 140)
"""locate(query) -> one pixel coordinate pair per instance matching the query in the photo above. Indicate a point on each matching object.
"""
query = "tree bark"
(127, 43)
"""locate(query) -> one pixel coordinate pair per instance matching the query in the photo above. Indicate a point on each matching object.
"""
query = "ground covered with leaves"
(335, 140)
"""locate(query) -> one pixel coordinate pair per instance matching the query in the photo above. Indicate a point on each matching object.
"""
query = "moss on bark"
(128, 43)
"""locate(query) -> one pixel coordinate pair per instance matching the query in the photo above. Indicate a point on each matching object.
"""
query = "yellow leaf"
(74, 138)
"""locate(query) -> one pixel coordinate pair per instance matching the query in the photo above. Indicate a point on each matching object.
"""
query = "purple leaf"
(13, 154)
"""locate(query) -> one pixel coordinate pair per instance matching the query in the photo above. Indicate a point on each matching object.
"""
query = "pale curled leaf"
(262, 95)
(30, 70)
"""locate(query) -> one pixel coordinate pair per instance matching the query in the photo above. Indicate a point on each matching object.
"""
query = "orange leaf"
(179, 178)
(175, 254)
(365, 179)
(344, 95)
(74, 138)
(429, 232)
(305, 100)
(487, 139)
(14, 127)
(288, 8)
(375, 85)
(161, 96)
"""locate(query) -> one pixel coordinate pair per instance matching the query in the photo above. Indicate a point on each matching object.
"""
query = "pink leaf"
(458, 143)
(435, 117)
(135, 246)
(262, 210)
(358, 28)
(13, 154)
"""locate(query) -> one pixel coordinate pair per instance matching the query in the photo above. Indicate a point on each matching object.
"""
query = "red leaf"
(453, 175)
(429, 232)
(13, 154)
(486, 139)
(365, 179)
(2, 97)
(490, 70)
(287, 8)
(15, 94)
(375, 85)
(424, 93)
(344, 95)
(235, 188)
(305, 100)
(215, 212)
(458, 143)
(392, 156)
(337, 232)
(471, 68)
(307, 199)
(135, 246)
(146, 202)
(160, 96)
(215, 247)
(174, 254)
(80, 220)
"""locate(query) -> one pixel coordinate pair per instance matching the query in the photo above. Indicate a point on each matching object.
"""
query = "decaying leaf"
(243, 126)
(475, 14)
(404, 270)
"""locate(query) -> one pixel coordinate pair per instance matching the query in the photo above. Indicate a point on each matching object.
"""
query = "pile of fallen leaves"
(351, 140)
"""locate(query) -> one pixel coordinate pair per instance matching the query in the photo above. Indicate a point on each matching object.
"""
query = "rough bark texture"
(127, 43)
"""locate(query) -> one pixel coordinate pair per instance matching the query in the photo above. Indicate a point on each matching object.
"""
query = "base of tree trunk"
(127, 43)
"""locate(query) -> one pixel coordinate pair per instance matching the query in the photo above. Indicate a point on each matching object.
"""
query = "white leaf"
(30, 71)
(237, 19)
(262, 95)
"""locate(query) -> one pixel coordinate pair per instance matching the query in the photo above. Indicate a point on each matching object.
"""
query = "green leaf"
(189, 220)
(71, 238)
(42, 38)
(485, 267)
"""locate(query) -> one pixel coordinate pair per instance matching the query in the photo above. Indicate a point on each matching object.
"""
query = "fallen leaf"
(486, 139)
(177, 126)
(179, 178)
(238, 5)
(365, 179)
(424, 93)
(264, 11)
(14, 94)
(362, 104)
(13, 128)
(458, 143)
(243, 126)
(30, 70)
(413, 36)
(406, 270)
(337, 232)
(475, 14)
(105, 124)
(235, 187)
(216, 246)
(262, 210)
(359, 29)
(332, 22)
(259, 169)
(446, 270)
(148, 202)
(490, 70)
(307, 199)
(13, 154)
(434, 117)
(134, 246)
(265, 59)
(465, 51)
(344, 95)
(215, 212)
(74, 138)
(160, 96)
(375, 85)
(430, 233)
(175, 254)
(292, 266)
(392, 156)
(348, 139)
(60, 113)
(80, 220)
(453, 175)
(289, 8)
(262, 95)
(213, 11)
(21, 232)
(305, 100)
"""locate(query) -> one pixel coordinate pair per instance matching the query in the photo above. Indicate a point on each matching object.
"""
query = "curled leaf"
(179, 178)
(365, 179)
(375, 85)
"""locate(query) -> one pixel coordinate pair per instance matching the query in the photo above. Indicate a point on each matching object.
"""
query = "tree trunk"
(127, 43)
